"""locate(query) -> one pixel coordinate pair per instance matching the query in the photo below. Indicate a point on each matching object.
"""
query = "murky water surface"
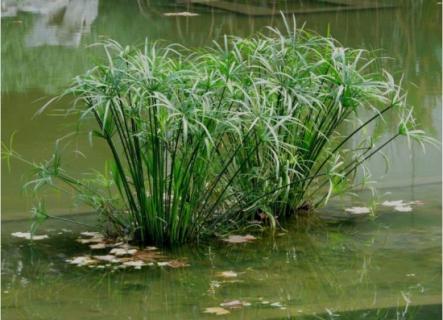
(380, 268)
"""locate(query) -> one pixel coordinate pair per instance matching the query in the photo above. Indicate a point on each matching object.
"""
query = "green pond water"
(383, 268)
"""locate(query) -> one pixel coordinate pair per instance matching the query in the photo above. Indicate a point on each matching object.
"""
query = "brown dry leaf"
(148, 255)
(227, 274)
(218, 311)
(173, 264)
(239, 239)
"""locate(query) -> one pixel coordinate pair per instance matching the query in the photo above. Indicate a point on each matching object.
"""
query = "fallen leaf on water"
(91, 234)
(235, 304)
(123, 251)
(96, 246)
(276, 304)
(91, 240)
(403, 208)
(108, 257)
(180, 14)
(358, 210)
(227, 274)
(173, 264)
(138, 264)
(239, 239)
(149, 255)
(218, 311)
(82, 261)
(27, 235)
(394, 203)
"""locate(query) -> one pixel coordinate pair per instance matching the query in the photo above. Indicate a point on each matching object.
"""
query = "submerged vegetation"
(206, 142)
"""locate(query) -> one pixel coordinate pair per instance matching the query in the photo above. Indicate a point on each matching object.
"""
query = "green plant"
(203, 142)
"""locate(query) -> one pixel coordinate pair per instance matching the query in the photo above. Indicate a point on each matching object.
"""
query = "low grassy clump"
(205, 142)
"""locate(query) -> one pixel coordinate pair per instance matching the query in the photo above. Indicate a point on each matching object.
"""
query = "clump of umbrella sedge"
(209, 142)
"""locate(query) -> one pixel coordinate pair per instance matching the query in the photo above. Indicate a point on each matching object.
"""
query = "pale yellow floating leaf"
(403, 208)
(235, 304)
(358, 210)
(227, 274)
(108, 258)
(393, 203)
(28, 236)
(91, 234)
(218, 311)
(88, 241)
(239, 239)
(138, 264)
(123, 251)
(97, 246)
(276, 305)
(180, 14)
(82, 261)
(173, 264)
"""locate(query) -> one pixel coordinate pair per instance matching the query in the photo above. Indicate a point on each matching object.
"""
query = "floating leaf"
(92, 240)
(123, 251)
(180, 14)
(138, 264)
(173, 264)
(239, 239)
(403, 208)
(82, 261)
(218, 311)
(394, 203)
(148, 255)
(358, 210)
(235, 304)
(28, 236)
(92, 234)
(276, 304)
(227, 274)
(108, 258)
(96, 246)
